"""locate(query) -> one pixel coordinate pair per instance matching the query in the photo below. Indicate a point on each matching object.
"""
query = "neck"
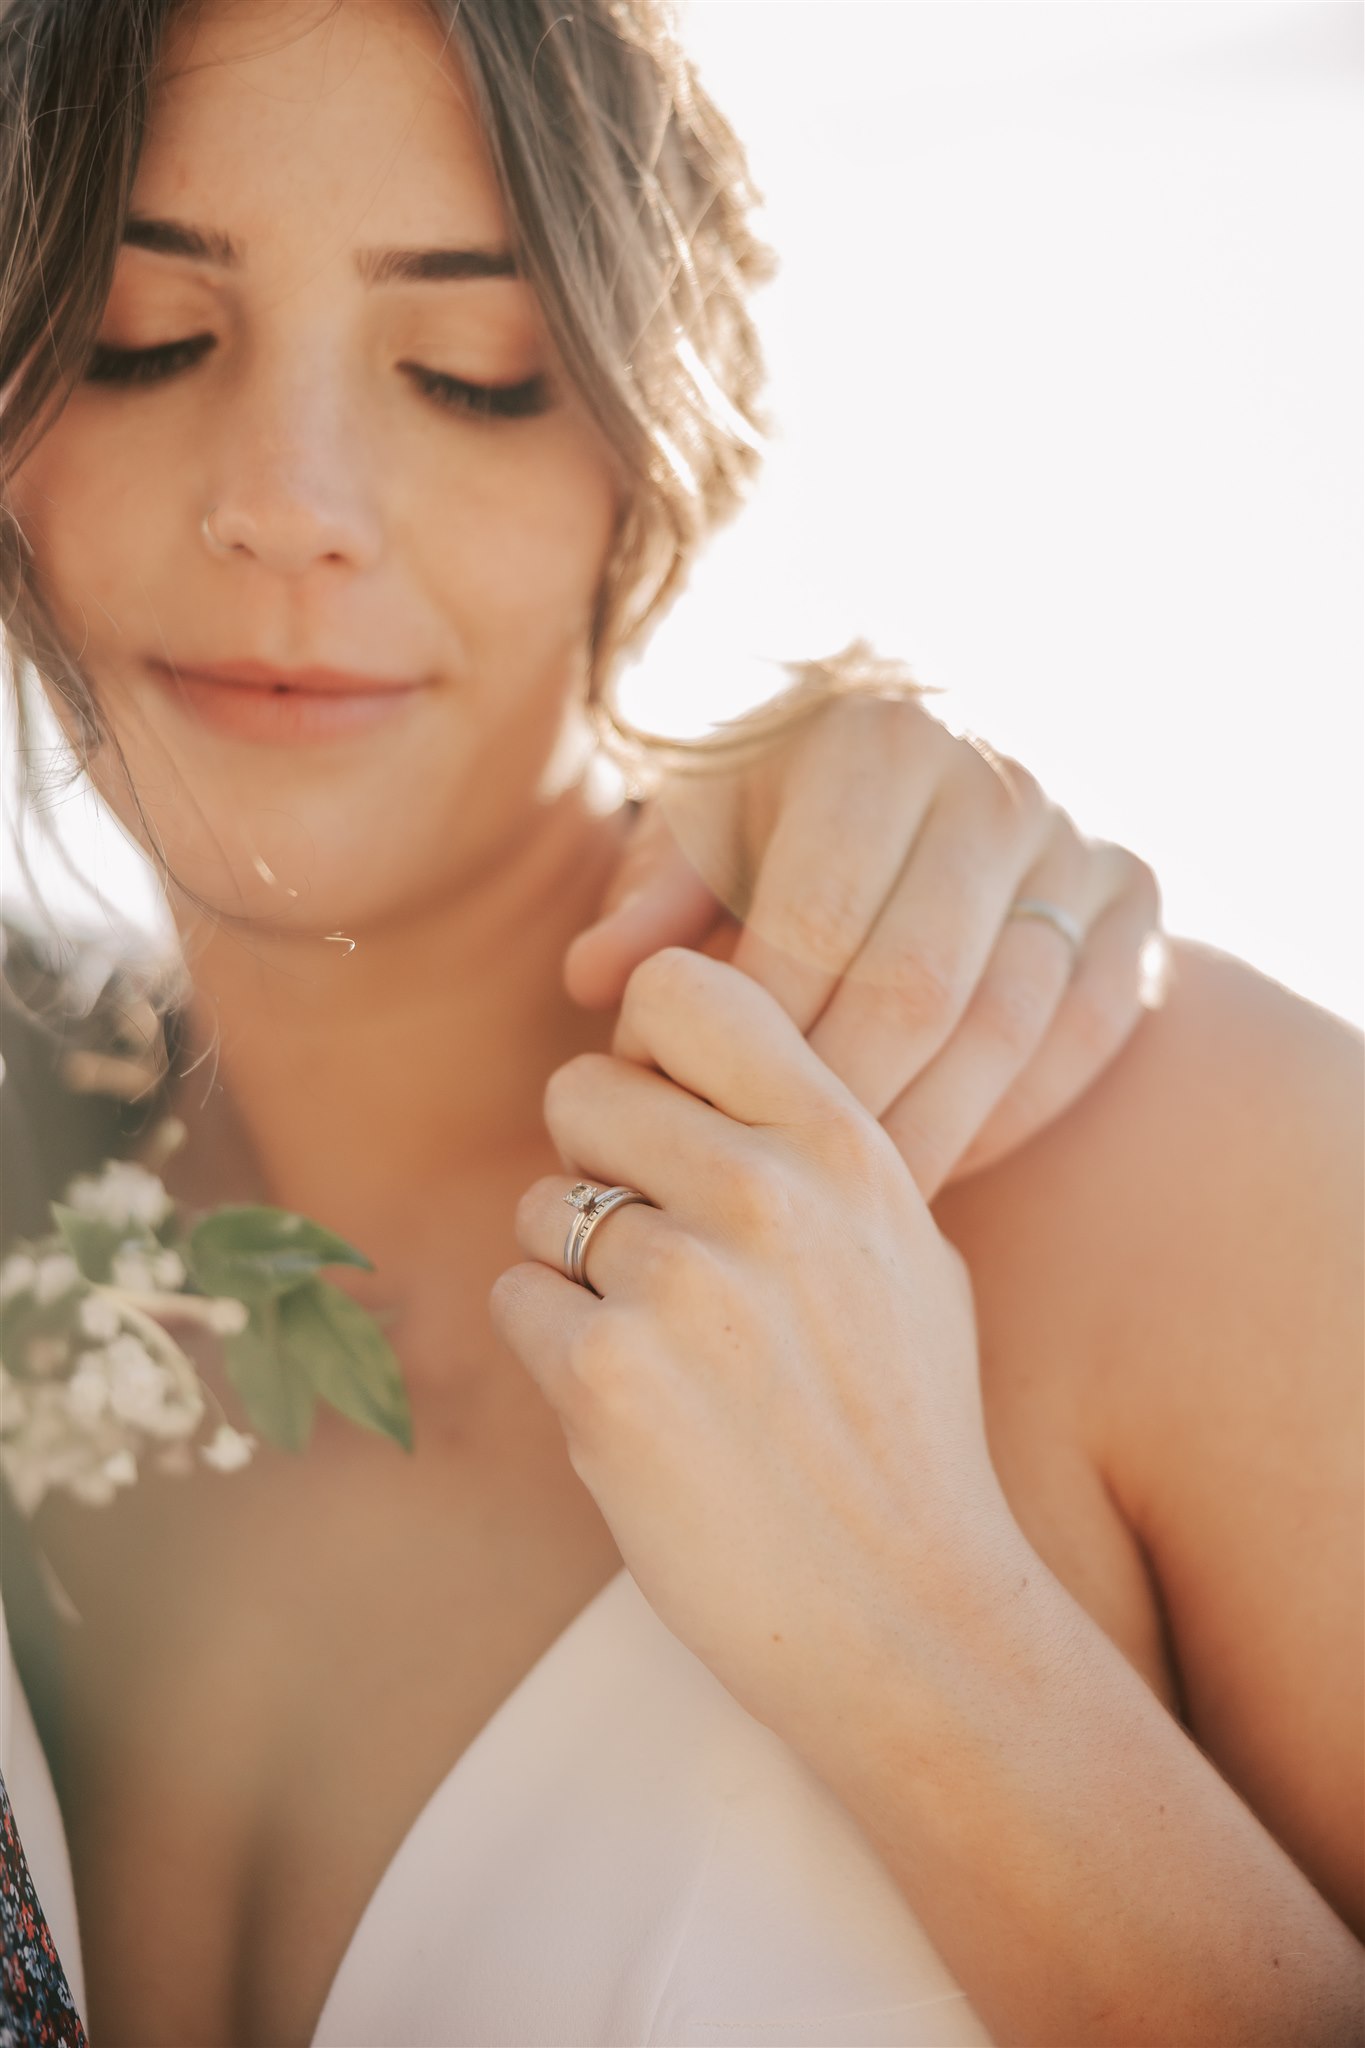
(360, 1086)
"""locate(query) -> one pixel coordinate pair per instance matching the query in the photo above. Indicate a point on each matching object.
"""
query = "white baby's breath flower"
(87, 1390)
(131, 1269)
(137, 1383)
(226, 1315)
(229, 1450)
(168, 1270)
(18, 1273)
(128, 1353)
(52, 1452)
(143, 1393)
(121, 1468)
(99, 1317)
(178, 1416)
(57, 1274)
(122, 1194)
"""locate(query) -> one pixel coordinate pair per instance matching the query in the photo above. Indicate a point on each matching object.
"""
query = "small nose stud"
(219, 547)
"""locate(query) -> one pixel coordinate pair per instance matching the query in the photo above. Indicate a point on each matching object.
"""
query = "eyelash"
(134, 366)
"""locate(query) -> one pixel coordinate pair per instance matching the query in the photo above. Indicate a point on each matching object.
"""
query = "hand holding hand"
(776, 1402)
(874, 859)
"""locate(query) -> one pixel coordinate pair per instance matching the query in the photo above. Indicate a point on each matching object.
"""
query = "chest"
(286, 1666)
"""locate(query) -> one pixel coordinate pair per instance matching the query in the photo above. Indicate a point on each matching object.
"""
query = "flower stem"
(133, 1309)
(140, 1310)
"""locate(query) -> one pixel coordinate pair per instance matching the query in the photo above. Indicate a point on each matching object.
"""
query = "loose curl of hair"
(629, 204)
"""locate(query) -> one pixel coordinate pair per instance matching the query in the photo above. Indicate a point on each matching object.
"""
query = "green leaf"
(347, 1358)
(91, 1240)
(274, 1385)
(257, 1253)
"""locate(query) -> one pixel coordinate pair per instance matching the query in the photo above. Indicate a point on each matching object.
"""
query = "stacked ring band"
(1053, 914)
(592, 1204)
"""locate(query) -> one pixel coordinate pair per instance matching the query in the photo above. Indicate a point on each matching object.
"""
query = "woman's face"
(371, 523)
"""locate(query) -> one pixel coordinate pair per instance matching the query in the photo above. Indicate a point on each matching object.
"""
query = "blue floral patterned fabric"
(36, 2006)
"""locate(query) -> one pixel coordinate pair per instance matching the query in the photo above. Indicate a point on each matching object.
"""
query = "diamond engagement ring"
(592, 1204)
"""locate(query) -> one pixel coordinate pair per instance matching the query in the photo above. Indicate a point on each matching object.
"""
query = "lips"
(260, 675)
(251, 700)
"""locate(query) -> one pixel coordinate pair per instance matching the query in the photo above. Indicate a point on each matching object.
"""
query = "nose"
(293, 492)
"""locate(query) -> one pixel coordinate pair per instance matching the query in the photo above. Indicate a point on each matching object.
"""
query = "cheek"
(513, 550)
(99, 512)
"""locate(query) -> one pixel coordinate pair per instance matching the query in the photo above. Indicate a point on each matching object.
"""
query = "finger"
(714, 1031)
(927, 951)
(622, 1247)
(655, 898)
(1123, 971)
(613, 1120)
(854, 798)
(543, 1318)
(935, 1119)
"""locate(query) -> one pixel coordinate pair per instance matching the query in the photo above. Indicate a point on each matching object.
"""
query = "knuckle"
(531, 1203)
(671, 1265)
(854, 1144)
(1126, 876)
(824, 926)
(502, 1295)
(662, 976)
(1024, 795)
(1008, 798)
(1014, 1010)
(757, 1199)
(917, 989)
(1143, 883)
(901, 730)
(565, 1085)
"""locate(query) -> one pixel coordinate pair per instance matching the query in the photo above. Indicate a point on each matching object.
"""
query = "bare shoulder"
(1178, 1260)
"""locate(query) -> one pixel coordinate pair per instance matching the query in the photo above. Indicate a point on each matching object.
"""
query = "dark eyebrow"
(376, 266)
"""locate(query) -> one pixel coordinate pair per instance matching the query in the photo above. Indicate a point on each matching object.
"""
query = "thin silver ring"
(592, 1205)
(587, 1221)
(219, 547)
(1053, 914)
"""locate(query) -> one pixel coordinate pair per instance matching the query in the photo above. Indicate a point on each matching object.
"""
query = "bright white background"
(1066, 354)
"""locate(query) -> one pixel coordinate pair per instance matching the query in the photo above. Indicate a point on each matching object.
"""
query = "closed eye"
(109, 365)
(505, 401)
(133, 366)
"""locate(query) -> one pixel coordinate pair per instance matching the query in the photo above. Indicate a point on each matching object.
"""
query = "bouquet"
(92, 1380)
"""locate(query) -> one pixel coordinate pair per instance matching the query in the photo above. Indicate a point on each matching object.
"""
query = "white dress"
(623, 1855)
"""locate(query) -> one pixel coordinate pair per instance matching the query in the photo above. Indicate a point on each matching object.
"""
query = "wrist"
(929, 1662)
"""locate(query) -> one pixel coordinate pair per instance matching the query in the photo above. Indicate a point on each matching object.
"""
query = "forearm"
(1082, 1868)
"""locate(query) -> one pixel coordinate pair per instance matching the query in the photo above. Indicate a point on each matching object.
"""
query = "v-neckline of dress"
(569, 1638)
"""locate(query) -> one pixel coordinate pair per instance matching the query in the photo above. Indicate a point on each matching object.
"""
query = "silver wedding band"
(1053, 914)
(592, 1204)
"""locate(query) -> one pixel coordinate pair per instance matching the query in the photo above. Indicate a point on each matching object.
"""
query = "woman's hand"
(863, 873)
(776, 1405)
